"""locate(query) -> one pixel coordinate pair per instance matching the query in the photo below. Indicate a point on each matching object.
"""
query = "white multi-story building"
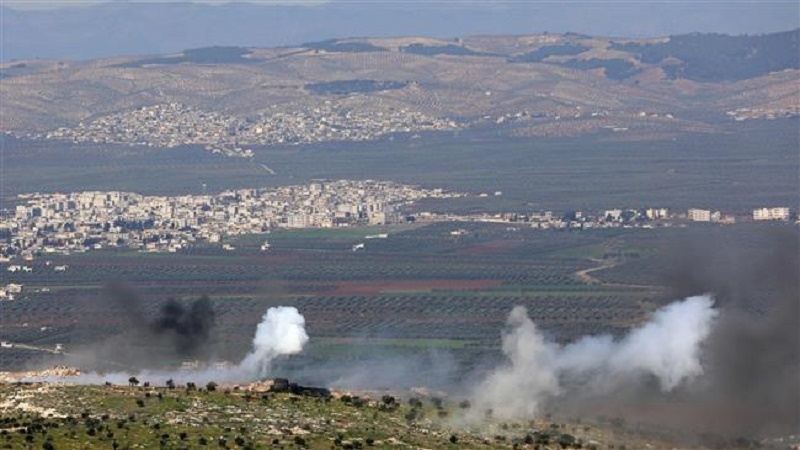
(780, 213)
(657, 213)
(699, 215)
(612, 214)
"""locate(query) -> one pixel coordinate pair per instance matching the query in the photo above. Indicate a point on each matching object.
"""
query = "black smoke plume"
(147, 339)
(749, 385)
(753, 354)
(189, 327)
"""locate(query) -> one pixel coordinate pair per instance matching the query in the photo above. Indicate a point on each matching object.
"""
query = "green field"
(750, 165)
(419, 288)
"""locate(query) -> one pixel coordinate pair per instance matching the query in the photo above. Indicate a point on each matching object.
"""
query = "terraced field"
(419, 284)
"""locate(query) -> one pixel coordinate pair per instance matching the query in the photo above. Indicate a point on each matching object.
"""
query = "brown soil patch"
(496, 246)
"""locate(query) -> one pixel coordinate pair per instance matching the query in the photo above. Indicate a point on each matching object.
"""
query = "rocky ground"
(269, 415)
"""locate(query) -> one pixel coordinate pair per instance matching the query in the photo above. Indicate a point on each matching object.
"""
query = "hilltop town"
(174, 124)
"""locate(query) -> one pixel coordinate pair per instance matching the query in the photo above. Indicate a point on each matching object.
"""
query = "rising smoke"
(726, 358)
(726, 363)
(752, 381)
(176, 330)
(667, 348)
(188, 328)
(281, 332)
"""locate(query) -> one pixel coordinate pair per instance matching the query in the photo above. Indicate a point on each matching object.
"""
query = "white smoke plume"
(281, 332)
(667, 347)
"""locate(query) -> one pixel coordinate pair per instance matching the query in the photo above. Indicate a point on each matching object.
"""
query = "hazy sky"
(789, 5)
(53, 4)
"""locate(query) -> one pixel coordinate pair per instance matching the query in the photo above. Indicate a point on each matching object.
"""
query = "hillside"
(538, 85)
(57, 416)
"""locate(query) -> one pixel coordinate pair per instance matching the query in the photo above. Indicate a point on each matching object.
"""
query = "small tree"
(211, 386)
(566, 440)
(133, 381)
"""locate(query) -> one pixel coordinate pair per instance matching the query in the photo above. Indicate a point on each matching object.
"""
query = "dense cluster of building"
(174, 124)
(60, 223)
(77, 222)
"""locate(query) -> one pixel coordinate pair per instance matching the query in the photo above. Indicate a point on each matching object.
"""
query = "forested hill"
(717, 57)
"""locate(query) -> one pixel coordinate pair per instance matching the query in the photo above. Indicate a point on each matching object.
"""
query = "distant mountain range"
(544, 84)
(129, 28)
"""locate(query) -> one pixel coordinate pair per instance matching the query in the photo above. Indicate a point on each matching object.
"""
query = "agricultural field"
(750, 165)
(421, 286)
(420, 289)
